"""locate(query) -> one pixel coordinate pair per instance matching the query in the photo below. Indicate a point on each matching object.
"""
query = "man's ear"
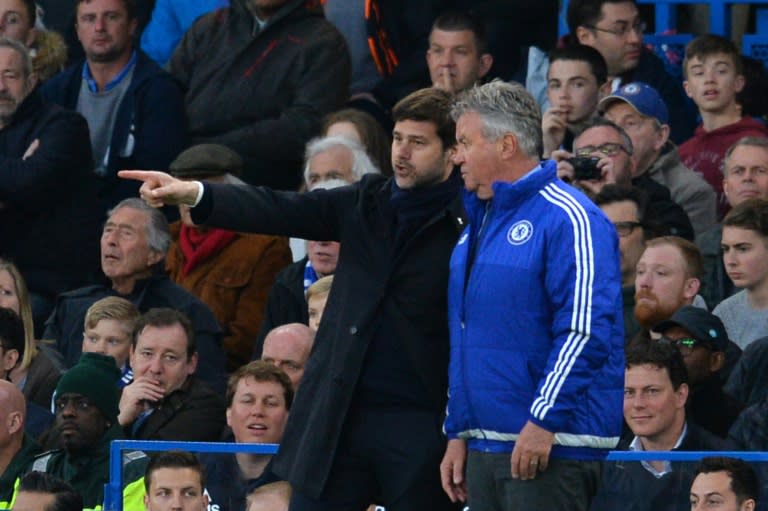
(486, 61)
(508, 145)
(604, 90)
(154, 257)
(716, 361)
(584, 35)
(691, 288)
(662, 135)
(31, 81)
(31, 36)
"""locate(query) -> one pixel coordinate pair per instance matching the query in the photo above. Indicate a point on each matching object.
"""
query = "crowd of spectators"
(304, 230)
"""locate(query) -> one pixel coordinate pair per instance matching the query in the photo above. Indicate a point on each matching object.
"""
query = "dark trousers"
(389, 457)
(566, 485)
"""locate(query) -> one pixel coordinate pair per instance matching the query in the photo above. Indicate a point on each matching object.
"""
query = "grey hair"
(602, 121)
(761, 142)
(504, 107)
(158, 232)
(361, 162)
(26, 59)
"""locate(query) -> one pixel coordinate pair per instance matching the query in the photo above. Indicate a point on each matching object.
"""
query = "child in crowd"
(108, 330)
(745, 256)
(317, 295)
(713, 77)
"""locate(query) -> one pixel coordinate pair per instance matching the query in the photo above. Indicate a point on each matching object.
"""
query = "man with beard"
(86, 406)
(668, 276)
(134, 109)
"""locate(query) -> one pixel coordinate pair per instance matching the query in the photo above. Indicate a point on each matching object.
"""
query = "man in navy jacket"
(134, 109)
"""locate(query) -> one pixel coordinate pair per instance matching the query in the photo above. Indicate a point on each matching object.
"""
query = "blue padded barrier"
(113, 490)
(756, 46)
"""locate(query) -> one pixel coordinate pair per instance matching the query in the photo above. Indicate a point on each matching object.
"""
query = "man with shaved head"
(16, 448)
(288, 347)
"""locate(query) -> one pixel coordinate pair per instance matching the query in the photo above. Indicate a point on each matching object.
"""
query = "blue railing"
(113, 491)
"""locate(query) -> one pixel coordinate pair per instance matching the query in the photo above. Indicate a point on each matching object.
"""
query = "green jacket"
(88, 471)
(18, 466)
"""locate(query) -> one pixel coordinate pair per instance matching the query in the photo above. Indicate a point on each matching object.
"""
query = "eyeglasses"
(624, 229)
(80, 404)
(607, 149)
(638, 28)
(685, 344)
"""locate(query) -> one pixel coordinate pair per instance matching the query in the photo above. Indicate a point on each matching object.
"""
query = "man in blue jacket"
(134, 109)
(534, 311)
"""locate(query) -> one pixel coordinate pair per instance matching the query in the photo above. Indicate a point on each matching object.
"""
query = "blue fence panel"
(113, 491)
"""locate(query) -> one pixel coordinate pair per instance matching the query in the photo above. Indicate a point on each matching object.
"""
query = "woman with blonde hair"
(36, 370)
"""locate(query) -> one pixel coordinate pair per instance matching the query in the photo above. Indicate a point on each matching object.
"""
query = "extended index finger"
(141, 175)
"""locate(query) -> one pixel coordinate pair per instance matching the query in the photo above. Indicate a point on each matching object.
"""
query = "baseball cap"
(702, 325)
(640, 96)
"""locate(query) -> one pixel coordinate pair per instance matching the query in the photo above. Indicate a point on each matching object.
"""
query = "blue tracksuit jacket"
(536, 322)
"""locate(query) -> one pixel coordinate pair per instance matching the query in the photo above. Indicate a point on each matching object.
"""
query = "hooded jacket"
(687, 189)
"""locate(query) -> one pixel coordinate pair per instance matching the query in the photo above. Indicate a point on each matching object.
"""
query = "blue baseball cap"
(640, 96)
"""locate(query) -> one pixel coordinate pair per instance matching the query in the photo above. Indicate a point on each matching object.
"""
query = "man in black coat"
(46, 223)
(134, 242)
(365, 426)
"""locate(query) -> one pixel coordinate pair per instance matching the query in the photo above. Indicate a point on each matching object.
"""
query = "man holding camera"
(641, 112)
(603, 154)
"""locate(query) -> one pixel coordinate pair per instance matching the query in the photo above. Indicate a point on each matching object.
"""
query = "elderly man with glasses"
(641, 112)
(611, 150)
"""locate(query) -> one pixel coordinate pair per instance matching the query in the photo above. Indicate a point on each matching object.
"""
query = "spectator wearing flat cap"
(86, 406)
(231, 272)
(702, 341)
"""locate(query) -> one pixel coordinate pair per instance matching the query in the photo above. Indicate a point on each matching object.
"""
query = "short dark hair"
(173, 459)
(130, 7)
(649, 221)
(582, 53)
(711, 44)
(661, 354)
(162, 317)
(261, 372)
(429, 105)
(11, 331)
(752, 215)
(613, 193)
(744, 481)
(587, 13)
(65, 498)
(455, 20)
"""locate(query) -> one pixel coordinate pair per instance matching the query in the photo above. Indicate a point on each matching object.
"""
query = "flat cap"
(206, 160)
